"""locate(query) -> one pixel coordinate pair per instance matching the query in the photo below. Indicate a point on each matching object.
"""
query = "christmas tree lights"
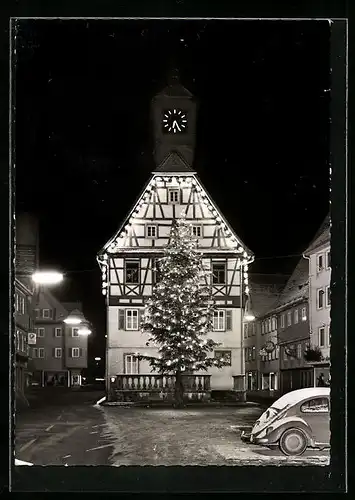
(179, 315)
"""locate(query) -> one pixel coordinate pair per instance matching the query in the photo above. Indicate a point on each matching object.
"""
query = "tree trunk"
(178, 390)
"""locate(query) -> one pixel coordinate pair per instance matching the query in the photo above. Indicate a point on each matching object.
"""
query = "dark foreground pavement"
(70, 430)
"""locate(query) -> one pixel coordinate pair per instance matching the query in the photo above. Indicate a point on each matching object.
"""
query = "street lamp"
(84, 330)
(248, 315)
(97, 359)
(74, 318)
(47, 277)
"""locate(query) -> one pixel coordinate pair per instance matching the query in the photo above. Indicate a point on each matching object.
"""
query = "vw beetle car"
(296, 421)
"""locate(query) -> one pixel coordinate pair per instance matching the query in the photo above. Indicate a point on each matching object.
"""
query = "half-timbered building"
(130, 259)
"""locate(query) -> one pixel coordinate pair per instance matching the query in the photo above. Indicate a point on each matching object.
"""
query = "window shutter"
(53, 352)
(229, 319)
(54, 331)
(80, 352)
(69, 352)
(121, 319)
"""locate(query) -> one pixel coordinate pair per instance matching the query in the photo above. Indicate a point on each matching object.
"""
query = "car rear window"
(316, 405)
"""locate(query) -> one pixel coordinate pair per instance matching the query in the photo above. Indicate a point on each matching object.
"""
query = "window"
(174, 196)
(274, 323)
(36, 311)
(218, 274)
(196, 231)
(269, 325)
(265, 381)
(22, 342)
(299, 351)
(58, 332)
(245, 330)
(277, 352)
(75, 332)
(47, 313)
(320, 263)
(34, 352)
(39, 332)
(58, 352)
(284, 354)
(329, 260)
(132, 319)
(253, 351)
(219, 321)
(304, 313)
(289, 318)
(132, 272)
(329, 336)
(320, 298)
(321, 336)
(253, 328)
(131, 364)
(20, 303)
(328, 295)
(41, 352)
(295, 316)
(17, 340)
(262, 327)
(225, 355)
(151, 231)
(282, 321)
(318, 405)
(75, 352)
(273, 382)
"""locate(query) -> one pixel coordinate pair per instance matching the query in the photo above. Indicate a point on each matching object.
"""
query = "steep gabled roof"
(265, 291)
(297, 286)
(174, 163)
(322, 236)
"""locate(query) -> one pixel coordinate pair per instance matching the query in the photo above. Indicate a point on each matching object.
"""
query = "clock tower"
(174, 122)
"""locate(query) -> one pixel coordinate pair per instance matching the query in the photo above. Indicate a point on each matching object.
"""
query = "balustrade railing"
(158, 383)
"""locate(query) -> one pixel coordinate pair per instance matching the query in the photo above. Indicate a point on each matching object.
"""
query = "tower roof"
(174, 163)
(174, 87)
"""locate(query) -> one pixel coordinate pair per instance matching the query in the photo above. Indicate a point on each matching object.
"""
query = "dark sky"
(84, 139)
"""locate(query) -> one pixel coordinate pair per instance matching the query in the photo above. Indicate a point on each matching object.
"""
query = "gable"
(153, 207)
(174, 163)
(47, 301)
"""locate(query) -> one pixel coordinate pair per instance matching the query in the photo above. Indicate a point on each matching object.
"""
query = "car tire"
(293, 442)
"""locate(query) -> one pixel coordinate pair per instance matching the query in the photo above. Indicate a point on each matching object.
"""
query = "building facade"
(318, 255)
(261, 365)
(130, 258)
(60, 352)
(23, 325)
(26, 262)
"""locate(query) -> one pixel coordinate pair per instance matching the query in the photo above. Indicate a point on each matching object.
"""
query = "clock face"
(174, 121)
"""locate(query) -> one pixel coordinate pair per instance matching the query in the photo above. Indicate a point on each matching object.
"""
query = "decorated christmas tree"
(179, 315)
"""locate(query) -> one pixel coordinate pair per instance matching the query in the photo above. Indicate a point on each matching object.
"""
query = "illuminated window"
(304, 313)
(289, 318)
(295, 316)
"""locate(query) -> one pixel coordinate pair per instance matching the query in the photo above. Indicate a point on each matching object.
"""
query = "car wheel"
(293, 442)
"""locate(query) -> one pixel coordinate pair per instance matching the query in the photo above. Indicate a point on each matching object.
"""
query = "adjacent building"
(318, 257)
(292, 313)
(26, 261)
(60, 352)
(261, 349)
(129, 259)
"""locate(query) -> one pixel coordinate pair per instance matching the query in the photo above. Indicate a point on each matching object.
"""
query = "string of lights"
(93, 269)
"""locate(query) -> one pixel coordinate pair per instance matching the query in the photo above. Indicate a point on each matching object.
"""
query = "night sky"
(84, 136)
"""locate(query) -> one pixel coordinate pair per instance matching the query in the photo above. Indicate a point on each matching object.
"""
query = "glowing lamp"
(84, 331)
(47, 277)
(74, 318)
